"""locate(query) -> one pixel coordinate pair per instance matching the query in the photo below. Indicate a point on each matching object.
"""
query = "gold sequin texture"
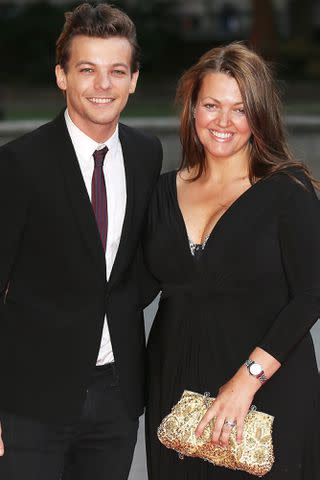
(254, 455)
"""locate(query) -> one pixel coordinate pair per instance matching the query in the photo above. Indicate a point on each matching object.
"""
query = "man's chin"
(104, 119)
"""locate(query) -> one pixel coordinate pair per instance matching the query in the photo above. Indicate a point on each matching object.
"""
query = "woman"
(233, 239)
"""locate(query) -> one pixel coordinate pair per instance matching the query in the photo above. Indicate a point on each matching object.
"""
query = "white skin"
(97, 83)
(224, 132)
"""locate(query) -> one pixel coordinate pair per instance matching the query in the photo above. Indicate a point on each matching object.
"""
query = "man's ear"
(133, 81)
(61, 78)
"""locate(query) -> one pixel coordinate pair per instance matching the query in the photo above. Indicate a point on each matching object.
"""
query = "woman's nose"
(223, 118)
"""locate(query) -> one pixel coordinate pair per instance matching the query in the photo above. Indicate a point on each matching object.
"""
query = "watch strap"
(262, 377)
(248, 362)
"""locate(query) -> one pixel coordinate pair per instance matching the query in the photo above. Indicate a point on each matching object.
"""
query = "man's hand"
(1, 443)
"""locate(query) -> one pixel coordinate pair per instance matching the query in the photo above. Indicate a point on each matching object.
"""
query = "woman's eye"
(241, 111)
(210, 106)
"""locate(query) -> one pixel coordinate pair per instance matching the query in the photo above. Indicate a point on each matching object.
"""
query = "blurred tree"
(264, 37)
(27, 42)
(301, 50)
(300, 14)
(157, 34)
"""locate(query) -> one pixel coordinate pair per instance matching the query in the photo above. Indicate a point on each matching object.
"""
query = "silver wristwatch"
(256, 370)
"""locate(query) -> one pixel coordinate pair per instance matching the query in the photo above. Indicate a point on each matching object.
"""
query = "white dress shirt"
(114, 173)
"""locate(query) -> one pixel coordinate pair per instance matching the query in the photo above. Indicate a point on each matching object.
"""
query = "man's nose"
(103, 81)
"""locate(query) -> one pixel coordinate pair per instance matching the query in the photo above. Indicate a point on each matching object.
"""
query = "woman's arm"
(299, 236)
(149, 286)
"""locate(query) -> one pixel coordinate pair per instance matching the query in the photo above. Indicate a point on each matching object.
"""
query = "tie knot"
(99, 155)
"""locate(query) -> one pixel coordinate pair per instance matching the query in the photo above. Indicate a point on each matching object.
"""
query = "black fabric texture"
(256, 283)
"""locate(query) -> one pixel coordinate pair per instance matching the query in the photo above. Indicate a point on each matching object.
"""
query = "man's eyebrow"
(120, 64)
(84, 62)
(88, 62)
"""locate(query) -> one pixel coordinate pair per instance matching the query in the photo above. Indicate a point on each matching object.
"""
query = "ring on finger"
(230, 423)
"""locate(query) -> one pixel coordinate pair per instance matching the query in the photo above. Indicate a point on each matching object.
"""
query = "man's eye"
(86, 70)
(119, 72)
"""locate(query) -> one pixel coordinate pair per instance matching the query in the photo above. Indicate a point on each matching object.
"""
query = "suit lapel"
(63, 151)
(128, 150)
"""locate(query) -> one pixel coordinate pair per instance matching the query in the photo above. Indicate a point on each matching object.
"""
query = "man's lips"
(100, 100)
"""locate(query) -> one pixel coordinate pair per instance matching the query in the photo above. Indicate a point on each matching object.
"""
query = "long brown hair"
(269, 148)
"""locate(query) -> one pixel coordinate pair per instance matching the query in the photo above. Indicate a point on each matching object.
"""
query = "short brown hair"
(269, 148)
(101, 21)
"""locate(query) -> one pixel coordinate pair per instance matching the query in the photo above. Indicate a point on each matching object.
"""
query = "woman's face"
(220, 119)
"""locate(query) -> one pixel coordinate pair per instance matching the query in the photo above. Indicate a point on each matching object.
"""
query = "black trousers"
(99, 447)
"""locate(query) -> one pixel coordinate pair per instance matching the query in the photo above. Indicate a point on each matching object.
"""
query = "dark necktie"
(99, 195)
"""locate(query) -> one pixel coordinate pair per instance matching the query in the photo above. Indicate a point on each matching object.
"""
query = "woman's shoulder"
(163, 197)
(292, 185)
(292, 179)
(165, 187)
(168, 176)
(166, 180)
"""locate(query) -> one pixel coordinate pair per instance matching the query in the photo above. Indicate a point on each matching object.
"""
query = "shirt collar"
(84, 145)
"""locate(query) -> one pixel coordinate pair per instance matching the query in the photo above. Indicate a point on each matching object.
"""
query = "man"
(73, 199)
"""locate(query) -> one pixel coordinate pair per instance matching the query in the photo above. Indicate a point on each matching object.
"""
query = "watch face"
(255, 369)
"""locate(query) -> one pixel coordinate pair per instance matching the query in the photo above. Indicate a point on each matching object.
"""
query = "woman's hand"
(231, 406)
(235, 398)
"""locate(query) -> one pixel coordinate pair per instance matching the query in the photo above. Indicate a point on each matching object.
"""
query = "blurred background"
(172, 34)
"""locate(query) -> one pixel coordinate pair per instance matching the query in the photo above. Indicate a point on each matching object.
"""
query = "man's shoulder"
(144, 148)
(137, 135)
(35, 139)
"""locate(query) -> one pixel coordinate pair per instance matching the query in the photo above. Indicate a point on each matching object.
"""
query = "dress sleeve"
(299, 235)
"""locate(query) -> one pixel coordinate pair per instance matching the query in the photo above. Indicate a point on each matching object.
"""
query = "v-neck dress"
(255, 282)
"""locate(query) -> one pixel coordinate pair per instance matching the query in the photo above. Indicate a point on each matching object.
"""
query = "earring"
(194, 113)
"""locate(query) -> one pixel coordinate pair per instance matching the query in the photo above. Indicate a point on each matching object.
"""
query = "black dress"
(256, 282)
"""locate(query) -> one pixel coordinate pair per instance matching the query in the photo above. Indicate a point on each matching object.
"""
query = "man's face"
(97, 83)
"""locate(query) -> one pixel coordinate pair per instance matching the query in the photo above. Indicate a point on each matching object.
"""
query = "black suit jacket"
(54, 293)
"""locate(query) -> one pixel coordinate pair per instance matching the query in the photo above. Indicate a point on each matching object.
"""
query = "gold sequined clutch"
(254, 455)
